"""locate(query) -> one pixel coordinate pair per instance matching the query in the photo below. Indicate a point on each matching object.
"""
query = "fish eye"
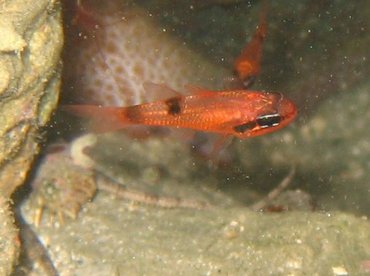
(268, 120)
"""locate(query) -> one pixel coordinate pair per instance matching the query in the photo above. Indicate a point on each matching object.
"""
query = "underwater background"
(316, 53)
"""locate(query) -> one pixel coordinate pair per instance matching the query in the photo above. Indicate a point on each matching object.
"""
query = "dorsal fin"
(193, 90)
(157, 92)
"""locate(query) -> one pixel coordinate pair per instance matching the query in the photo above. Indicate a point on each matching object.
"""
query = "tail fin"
(103, 119)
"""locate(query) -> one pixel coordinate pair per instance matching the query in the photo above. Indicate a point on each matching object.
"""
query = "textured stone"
(114, 236)
(29, 82)
(9, 242)
(30, 46)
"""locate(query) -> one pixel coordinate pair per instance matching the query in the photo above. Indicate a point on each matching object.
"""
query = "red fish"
(239, 113)
(248, 65)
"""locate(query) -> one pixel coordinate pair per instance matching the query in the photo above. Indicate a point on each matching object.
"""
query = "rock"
(30, 46)
(29, 83)
(114, 236)
(9, 241)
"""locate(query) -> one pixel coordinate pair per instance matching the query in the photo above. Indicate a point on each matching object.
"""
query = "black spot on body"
(269, 120)
(173, 105)
(132, 114)
(244, 127)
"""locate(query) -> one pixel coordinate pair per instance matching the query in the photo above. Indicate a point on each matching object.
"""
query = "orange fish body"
(237, 113)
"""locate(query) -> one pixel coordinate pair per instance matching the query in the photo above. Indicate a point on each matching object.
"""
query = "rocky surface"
(112, 236)
(30, 46)
(29, 59)
(9, 241)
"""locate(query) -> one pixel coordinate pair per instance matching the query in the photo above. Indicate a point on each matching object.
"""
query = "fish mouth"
(287, 110)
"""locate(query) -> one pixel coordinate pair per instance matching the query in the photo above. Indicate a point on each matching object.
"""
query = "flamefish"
(239, 113)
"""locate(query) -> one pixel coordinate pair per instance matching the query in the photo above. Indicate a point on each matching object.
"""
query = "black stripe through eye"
(268, 120)
(173, 105)
(244, 127)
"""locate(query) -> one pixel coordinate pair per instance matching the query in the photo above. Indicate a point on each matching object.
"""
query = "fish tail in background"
(102, 119)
